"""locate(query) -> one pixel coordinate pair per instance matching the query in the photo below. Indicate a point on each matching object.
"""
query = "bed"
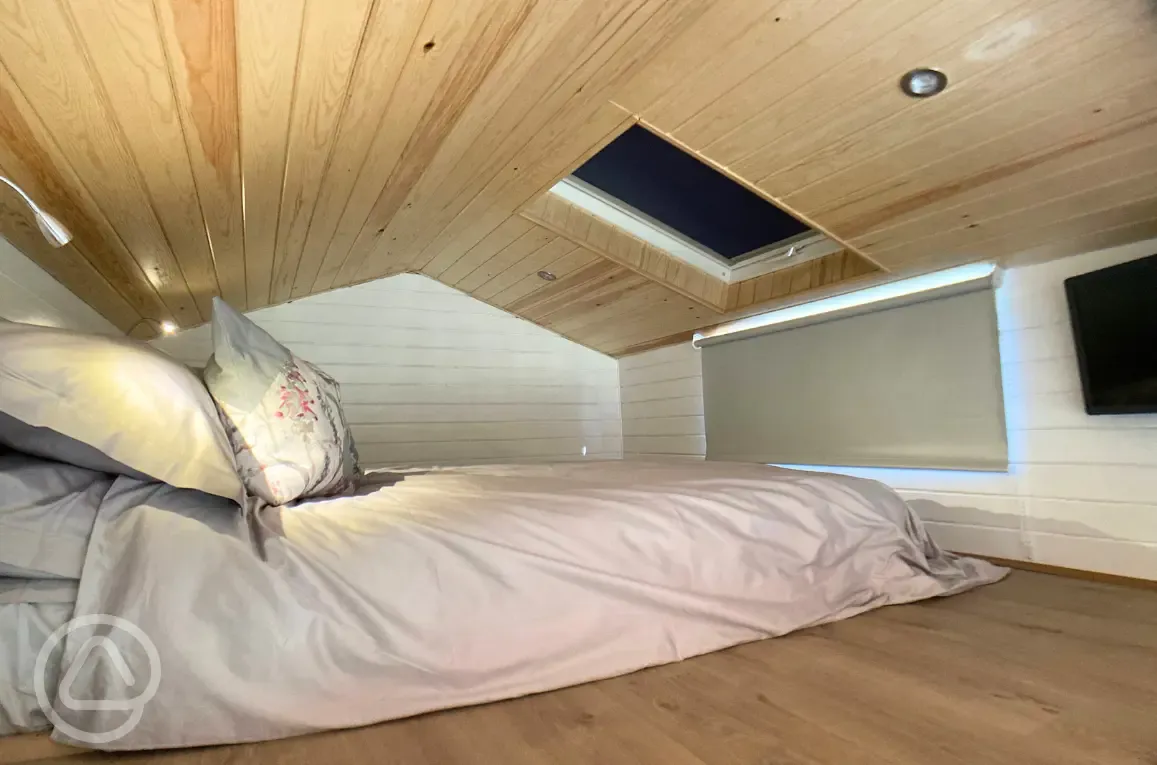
(437, 588)
(196, 559)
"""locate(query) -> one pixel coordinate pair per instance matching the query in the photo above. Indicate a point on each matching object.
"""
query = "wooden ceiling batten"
(267, 150)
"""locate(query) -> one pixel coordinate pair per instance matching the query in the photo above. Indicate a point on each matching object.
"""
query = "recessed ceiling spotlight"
(546, 276)
(168, 327)
(922, 83)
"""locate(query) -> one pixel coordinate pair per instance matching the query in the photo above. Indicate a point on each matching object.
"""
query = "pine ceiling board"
(597, 297)
(1086, 242)
(987, 237)
(525, 88)
(530, 266)
(30, 158)
(67, 265)
(1055, 236)
(512, 259)
(1059, 170)
(820, 65)
(269, 34)
(482, 41)
(40, 50)
(200, 45)
(269, 150)
(559, 293)
(615, 325)
(743, 123)
(418, 76)
(772, 37)
(639, 293)
(831, 152)
(1088, 120)
(985, 215)
(671, 314)
(528, 287)
(660, 342)
(579, 121)
(120, 38)
(610, 281)
(614, 243)
(474, 274)
(725, 23)
(988, 108)
(501, 237)
(390, 41)
(325, 66)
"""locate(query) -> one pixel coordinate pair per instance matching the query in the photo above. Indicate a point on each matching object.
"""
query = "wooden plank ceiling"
(265, 150)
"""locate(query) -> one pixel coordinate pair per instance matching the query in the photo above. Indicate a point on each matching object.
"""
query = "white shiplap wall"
(1081, 491)
(663, 403)
(430, 375)
(30, 296)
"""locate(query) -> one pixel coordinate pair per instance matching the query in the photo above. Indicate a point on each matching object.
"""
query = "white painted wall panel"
(30, 296)
(430, 375)
(663, 404)
(1081, 491)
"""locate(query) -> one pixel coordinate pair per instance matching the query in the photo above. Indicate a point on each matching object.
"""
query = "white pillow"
(283, 414)
(124, 399)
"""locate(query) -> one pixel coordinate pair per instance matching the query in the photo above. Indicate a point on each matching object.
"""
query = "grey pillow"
(125, 400)
(283, 415)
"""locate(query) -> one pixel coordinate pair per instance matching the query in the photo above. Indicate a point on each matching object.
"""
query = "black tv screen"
(1114, 315)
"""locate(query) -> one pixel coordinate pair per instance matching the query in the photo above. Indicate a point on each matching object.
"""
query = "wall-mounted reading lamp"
(54, 231)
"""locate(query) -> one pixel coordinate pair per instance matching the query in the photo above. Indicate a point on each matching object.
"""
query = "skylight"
(672, 200)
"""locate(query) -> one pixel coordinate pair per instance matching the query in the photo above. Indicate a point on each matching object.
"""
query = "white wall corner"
(28, 294)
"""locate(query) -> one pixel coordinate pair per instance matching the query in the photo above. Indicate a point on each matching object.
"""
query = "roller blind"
(915, 385)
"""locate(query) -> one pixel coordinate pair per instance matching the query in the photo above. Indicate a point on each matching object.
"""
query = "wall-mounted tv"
(1114, 315)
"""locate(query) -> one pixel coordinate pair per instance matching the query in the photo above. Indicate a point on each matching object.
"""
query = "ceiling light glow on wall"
(922, 83)
(891, 291)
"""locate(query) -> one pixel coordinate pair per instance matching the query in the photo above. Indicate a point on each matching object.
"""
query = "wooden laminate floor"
(1035, 669)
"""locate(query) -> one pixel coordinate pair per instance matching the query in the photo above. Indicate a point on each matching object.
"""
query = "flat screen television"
(1114, 316)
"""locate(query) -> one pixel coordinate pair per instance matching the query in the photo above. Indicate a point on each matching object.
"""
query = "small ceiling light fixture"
(168, 327)
(546, 276)
(923, 83)
(54, 231)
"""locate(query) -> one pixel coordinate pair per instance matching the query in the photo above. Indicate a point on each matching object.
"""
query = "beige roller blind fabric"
(914, 386)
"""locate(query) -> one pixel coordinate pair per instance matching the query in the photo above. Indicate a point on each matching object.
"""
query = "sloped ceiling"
(270, 149)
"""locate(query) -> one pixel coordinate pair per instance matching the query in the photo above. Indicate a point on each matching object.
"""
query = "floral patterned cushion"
(283, 414)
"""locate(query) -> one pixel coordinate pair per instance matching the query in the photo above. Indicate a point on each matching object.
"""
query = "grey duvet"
(441, 588)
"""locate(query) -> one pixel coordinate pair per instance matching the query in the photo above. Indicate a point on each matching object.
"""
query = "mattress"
(440, 588)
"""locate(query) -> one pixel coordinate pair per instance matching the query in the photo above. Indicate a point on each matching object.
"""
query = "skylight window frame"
(801, 248)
